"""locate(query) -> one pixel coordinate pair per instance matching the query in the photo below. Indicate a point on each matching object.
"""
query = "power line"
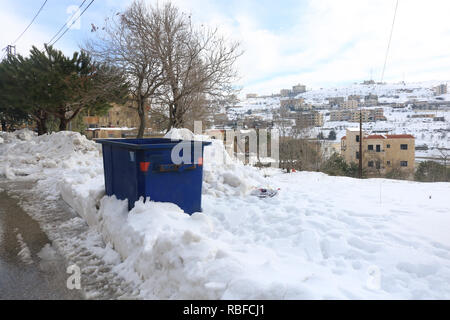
(65, 24)
(67, 29)
(389, 43)
(40, 9)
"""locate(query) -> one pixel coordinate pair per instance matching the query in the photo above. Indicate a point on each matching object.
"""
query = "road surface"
(26, 272)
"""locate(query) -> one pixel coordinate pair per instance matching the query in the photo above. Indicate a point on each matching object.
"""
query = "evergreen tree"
(332, 135)
(48, 84)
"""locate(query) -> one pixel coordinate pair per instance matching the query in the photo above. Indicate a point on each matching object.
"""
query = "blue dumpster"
(148, 168)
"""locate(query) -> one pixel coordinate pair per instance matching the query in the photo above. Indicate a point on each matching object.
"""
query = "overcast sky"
(319, 43)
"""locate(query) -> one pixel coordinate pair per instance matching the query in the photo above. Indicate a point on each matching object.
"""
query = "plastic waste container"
(155, 168)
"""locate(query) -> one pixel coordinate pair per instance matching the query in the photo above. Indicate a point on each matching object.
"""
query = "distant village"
(330, 121)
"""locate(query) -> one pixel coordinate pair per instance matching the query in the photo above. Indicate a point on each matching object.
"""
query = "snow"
(321, 237)
(24, 252)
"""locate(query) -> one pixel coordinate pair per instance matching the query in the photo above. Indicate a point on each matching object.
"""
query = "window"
(370, 147)
(404, 146)
(357, 138)
(388, 146)
(403, 163)
(378, 164)
(388, 163)
(370, 164)
(378, 148)
(357, 155)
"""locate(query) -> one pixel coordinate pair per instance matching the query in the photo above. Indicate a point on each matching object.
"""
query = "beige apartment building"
(309, 119)
(381, 153)
(119, 121)
(349, 104)
(353, 115)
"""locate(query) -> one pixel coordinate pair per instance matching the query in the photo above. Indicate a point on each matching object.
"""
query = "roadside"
(29, 267)
(40, 236)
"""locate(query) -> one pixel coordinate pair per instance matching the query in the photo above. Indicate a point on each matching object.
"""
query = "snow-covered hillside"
(433, 134)
(321, 237)
(387, 93)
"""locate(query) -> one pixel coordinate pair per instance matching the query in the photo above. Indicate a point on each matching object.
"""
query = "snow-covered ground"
(321, 237)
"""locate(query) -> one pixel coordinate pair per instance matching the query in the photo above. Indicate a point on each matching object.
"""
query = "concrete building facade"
(440, 89)
(349, 104)
(298, 89)
(381, 153)
(309, 119)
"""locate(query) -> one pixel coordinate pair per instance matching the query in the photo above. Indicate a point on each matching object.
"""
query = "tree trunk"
(142, 118)
(41, 122)
(3, 124)
(63, 124)
(41, 126)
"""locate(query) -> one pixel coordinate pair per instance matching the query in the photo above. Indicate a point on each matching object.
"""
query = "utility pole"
(360, 144)
(10, 50)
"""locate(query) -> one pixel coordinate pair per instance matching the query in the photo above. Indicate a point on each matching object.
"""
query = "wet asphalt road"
(27, 275)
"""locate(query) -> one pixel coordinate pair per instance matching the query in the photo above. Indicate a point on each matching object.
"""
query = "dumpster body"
(137, 168)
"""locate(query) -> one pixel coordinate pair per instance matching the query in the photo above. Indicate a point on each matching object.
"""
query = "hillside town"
(419, 111)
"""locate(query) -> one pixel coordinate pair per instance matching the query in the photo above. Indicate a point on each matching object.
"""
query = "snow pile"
(321, 237)
(25, 154)
(23, 134)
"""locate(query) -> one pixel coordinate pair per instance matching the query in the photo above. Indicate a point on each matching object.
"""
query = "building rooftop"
(375, 136)
(389, 136)
(400, 136)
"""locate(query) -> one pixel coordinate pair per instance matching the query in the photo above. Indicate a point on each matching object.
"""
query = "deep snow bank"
(321, 237)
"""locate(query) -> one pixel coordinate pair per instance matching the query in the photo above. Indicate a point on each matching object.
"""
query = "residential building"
(292, 103)
(421, 115)
(117, 116)
(251, 95)
(381, 153)
(349, 104)
(340, 115)
(440, 89)
(335, 101)
(119, 121)
(356, 97)
(309, 119)
(353, 115)
(371, 100)
(298, 89)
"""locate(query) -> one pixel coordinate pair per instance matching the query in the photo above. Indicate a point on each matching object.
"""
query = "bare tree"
(124, 42)
(297, 151)
(197, 62)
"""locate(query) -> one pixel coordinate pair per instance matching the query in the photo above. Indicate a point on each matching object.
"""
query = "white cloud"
(327, 41)
(336, 42)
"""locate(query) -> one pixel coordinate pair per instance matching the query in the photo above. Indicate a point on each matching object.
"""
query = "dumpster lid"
(148, 143)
